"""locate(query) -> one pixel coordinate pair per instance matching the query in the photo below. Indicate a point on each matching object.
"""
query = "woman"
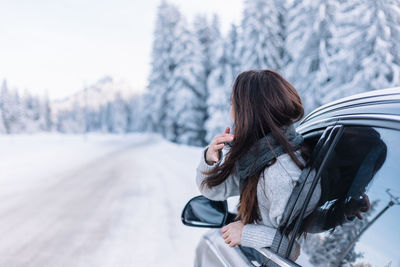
(264, 157)
(263, 161)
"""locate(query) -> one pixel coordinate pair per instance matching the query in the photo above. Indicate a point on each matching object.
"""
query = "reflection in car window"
(360, 180)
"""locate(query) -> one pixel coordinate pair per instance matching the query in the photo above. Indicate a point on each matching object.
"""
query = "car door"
(361, 165)
(308, 179)
(320, 140)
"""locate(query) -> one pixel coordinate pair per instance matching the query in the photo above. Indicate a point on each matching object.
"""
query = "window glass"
(364, 168)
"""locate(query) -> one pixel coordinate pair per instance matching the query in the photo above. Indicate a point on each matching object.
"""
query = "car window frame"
(271, 255)
(330, 143)
(329, 136)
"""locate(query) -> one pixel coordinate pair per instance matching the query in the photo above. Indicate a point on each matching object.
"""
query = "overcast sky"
(61, 46)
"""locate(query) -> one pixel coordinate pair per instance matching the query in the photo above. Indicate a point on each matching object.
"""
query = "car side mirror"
(203, 212)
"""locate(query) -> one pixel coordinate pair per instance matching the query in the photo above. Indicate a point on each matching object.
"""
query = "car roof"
(375, 108)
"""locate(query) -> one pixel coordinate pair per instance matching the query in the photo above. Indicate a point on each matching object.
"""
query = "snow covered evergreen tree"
(45, 112)
(283, 8)
(77, 121)
(5, 99)
(392, 11)
(103, 118)
(3, 129)
(109, 119)
(2, 126)
(220, 84)
(261, 41)
(308, 44)
(31, 113)
(186, 111)
(364, 59)
(3, 92)
(163, 65)
(11, 109)
(136, 120)
(118, 115)
(210, 41)
(181, 63)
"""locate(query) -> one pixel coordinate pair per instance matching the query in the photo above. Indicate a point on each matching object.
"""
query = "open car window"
(306, 183)
(258, 257)
(360, 178)
(317, 141)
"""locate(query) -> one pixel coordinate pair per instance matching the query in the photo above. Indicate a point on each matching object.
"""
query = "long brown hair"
(263, 101)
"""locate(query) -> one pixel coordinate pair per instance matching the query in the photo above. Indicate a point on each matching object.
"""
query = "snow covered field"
(95, 200)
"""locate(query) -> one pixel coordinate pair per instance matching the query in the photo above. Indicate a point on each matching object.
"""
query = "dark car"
(355, 157)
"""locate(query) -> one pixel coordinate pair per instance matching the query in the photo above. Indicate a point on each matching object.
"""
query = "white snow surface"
(96, 200)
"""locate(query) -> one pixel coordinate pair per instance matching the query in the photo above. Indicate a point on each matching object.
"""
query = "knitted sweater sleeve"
(262, 236)
(230, 187)
(258, 236)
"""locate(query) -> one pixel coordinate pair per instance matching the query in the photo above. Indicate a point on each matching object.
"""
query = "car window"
(364, 167)
(316, 141)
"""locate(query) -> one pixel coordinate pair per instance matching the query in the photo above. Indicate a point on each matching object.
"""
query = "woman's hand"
(217, 144)
(232, 233)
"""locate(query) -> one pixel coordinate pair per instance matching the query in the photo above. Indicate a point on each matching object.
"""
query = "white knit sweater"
(273, 191)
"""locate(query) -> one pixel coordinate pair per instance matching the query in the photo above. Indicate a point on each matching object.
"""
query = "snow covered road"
(120, 206)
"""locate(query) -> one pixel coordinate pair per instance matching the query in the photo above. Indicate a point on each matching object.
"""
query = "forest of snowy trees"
(98, 108)
(326, 48)
(25, 113)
